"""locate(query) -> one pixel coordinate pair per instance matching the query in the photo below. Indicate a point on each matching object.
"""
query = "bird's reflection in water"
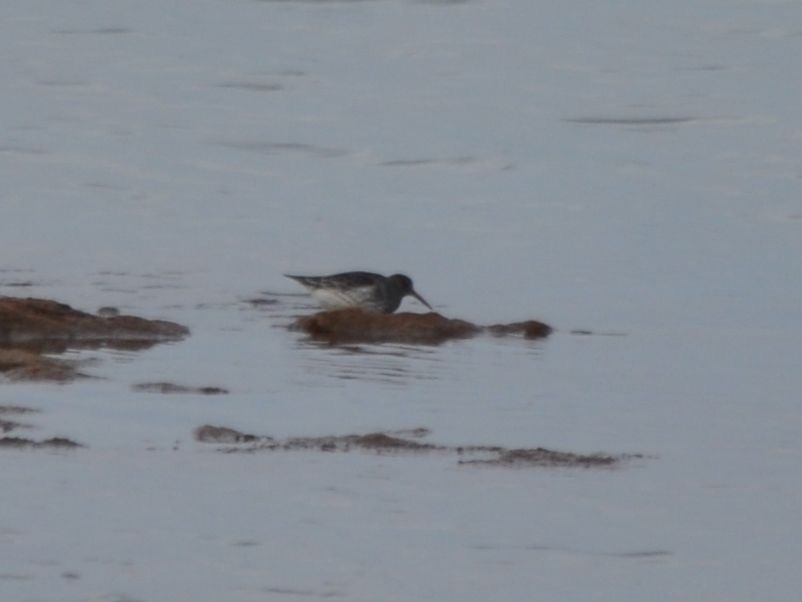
(388, 364)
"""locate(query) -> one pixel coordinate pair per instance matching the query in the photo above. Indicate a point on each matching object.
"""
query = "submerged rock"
(6, 409)
(6, 425)
(20, 364)
(392, 442)
(52, 443)
(541, 456)
(221, 434)
(14, 442)
(378, 442)
(173, 388)
(11, 425)
(359, 326)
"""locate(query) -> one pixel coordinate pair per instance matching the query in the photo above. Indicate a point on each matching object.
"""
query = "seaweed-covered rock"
(530, 329)
(30, 319)
(359, 326)
(393, 442)
(31, 328)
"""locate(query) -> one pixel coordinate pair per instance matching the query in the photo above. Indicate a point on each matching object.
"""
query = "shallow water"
(631, 170)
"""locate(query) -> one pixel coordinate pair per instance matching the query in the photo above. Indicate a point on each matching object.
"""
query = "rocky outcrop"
(358, 326)
(30, 319)
(31, 328)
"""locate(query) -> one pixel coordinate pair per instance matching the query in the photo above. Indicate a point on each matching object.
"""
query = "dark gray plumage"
(368, 291)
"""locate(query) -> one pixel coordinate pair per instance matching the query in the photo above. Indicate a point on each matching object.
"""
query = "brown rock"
(31, 327)
(358, 326)
(18, 364)
(40, 319)
(530, 329)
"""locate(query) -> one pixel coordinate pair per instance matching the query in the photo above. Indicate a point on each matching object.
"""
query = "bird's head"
(404, 284)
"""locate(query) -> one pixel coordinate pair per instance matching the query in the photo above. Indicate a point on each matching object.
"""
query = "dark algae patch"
(5, 409)
(52, 443)
(373, 441)
(541, 456)
(6, 426)
(14, 442)
(167, 388)
(378, 442)
(399, 442)
(221, 434)
(382, 441)
(359, 326)
(632, 121)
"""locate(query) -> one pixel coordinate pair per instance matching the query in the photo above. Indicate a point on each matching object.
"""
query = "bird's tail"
(305, 280)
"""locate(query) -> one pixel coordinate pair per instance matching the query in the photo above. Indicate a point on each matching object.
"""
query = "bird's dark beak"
(421, 299)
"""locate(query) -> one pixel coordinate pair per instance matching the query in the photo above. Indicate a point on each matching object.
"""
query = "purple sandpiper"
(365, 290)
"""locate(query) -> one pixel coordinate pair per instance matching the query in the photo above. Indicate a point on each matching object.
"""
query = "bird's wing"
(338, 281)
(351, 280)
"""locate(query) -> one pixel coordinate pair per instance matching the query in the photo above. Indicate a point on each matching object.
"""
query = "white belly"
(330, 298)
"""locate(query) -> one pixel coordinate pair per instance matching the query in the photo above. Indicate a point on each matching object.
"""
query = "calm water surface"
(629, 170)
